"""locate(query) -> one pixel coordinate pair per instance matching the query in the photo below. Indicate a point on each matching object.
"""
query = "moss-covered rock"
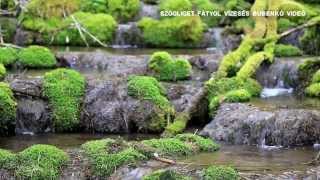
(220, 172)
(8, 56)
(285, 24)
(65, 89)
(282, 50)
(122, 10)
(175, 5)
(36, 57)
(172, 32)
(168, 69)
(149, 89)
(203, 144)
(7, 159)
(3, 71)
(7, 110)
(107, 155)
(231, 89)
(165, 174)
(40, 162)
(310, 41)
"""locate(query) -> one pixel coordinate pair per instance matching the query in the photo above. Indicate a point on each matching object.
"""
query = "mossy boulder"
(36, 57)
(40, 162)
(168, 69)
(172, 32)
(3, 71)
(7, 159)
(314, 88)
(65, 89)
(149, 89)
(122, 10)
(8, 108)
(8, 56)
(107, 155)
(220, 172)
(240, 95)
(282, 50)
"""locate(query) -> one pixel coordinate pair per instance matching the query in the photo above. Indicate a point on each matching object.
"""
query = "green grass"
(204, 144)
(220, 173)
(7, 159)
(165, 175)
(65, 90)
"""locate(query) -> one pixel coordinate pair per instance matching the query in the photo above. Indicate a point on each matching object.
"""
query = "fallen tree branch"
(306, 25)
(78, 26)
(10, 45)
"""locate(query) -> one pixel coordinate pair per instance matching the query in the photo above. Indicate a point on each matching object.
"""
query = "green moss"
(38, 24)
(245, 25)
(51, 8)
(285, 24)
(178, 125)
(3, 71)
(219, 89)
(9, 5)
(8, 56)
(7, 159)
(37, 57)
(207, 5)
(204, 144)
(65, 89)
(122, 10)
(172, 32)
(313, 90)
(149, 89)
(237, 5)
(8, 26)
(282, 50)
(165, 175)
(107, 155)
(240, 95)
(40, 162)
(175, 5)
(169, 146)
(316, 77)
(7, 109)
(220, 172)
(168, 69)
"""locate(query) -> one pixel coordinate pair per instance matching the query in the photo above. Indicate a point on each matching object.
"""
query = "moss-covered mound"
(36, 162)
(7, 109)
(107, 155)
(310, 41)
(282, 50)
(165, 174)
(231, 90)
(220, 172)
(122, 10)
(172, 32)
(65, 89)
(9, 5)
(37, 57)
(3, 71)
(149, 89)
(8, 56)
(314, 88)
(181, 145)
(168, 69)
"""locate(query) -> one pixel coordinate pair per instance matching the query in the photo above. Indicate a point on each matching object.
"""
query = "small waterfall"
(215, 35)
(269, 148)
(271, 92)
(123, 36)
(148, 10)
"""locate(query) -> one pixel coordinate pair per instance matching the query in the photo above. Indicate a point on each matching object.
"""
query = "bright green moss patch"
(149, 89)
(316, 77)
(175, 5)
(231, 90)
(204, 144)
(285, 24)
(282, 50)
(168, 69)
(7, 159)
(3, 71)
(40, 162)
(8, 108)
(107, 155)
(122, 10)
(165, 175)
(8, 56)
(172, 32)
(313, 90)
(37, 57)
(65, 89)
(178, 125)
(220, 172)
(310, 41)
(181, 145)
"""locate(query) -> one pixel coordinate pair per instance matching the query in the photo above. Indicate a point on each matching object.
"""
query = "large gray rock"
(245, 124)
(33, 112)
